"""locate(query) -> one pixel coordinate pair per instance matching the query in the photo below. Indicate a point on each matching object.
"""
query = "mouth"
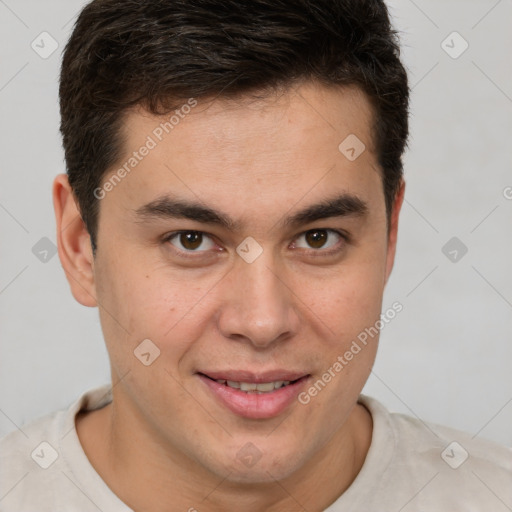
(254, 396)
(255, 387)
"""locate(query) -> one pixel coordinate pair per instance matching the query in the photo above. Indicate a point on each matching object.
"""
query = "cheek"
(148, 302)
(351, 299)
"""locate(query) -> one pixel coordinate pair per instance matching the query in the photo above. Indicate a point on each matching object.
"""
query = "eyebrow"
(166, 207)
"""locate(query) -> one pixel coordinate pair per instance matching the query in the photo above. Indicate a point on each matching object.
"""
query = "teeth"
(264, 387)
(251, 387)
(246, 386)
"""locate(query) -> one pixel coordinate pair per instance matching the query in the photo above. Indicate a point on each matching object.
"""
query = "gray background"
(445, 358)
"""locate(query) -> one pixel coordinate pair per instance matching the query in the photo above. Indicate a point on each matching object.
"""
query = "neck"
(128, 455)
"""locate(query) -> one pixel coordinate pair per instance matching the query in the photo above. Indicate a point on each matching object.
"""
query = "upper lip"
(253, 377)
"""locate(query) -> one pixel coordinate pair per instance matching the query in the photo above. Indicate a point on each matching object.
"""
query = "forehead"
(250, 152)
(244, 121)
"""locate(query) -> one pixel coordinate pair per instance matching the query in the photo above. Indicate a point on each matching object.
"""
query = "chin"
(249, 465)
(260, 474)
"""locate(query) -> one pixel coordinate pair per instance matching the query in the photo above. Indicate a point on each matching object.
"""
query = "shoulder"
(28, 463)
(34, 469)
(425, 466)
(454, 448)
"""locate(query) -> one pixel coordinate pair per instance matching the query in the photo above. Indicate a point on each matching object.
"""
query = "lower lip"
(254, 405)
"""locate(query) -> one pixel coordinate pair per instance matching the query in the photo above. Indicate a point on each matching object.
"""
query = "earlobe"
(74, 243)
(393, 228)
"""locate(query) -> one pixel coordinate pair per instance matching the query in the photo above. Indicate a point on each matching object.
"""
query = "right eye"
(190, 241)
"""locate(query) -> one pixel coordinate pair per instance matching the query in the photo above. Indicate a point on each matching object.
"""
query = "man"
(231, 204)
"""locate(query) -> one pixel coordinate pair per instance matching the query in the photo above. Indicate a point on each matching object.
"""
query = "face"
(247, 247)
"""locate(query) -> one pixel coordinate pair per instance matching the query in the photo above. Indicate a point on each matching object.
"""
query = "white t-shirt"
(410, 466)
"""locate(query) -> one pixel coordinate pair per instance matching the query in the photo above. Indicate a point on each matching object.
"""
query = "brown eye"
(191, 241)
(316, 239)
(320, 240)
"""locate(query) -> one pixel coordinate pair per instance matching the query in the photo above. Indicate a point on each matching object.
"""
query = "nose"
(258, 304)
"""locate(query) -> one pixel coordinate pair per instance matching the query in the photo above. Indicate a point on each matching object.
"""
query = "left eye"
(319, 239)
(191, 240)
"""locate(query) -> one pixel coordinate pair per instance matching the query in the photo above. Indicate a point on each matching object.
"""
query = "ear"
(74, 243)
(393, 228)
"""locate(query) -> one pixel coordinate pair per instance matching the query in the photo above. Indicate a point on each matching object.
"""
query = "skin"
(292, 308)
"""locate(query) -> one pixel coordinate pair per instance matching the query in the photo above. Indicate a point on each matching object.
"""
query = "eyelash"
(313, 252)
